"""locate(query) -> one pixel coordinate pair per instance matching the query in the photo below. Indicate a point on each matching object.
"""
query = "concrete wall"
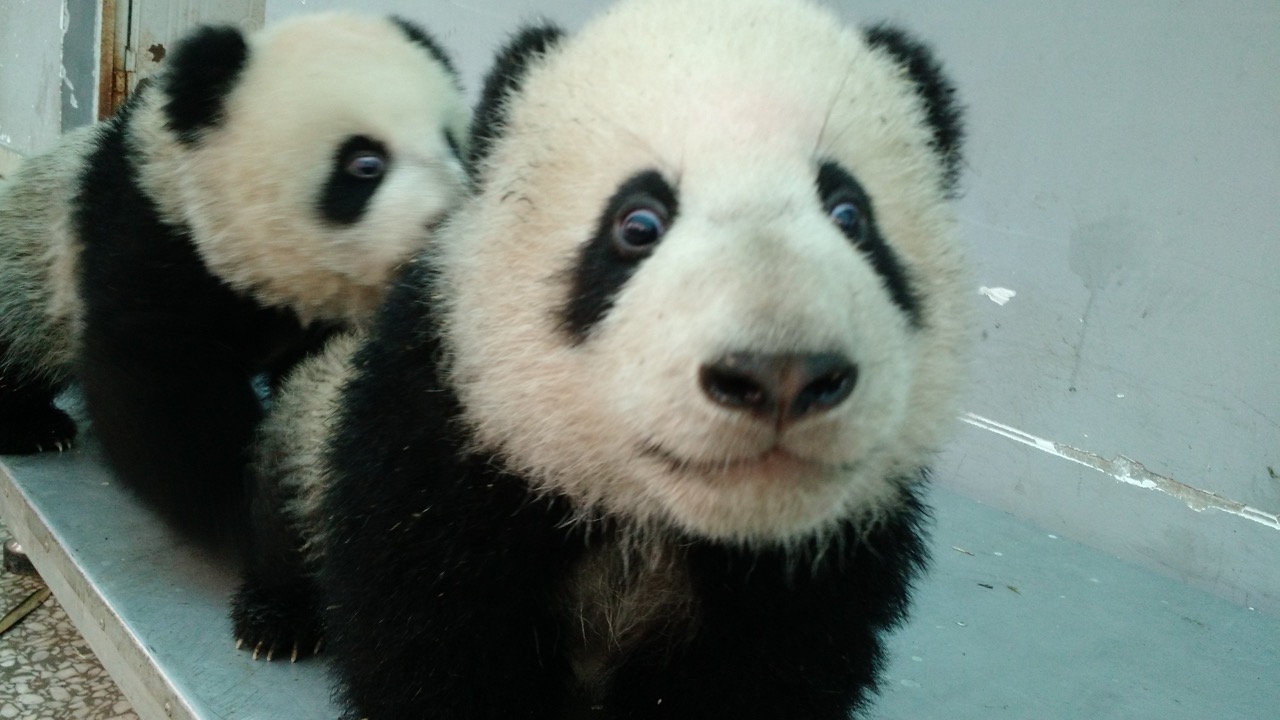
(1124, 180)
(50, 51)
(30, 76)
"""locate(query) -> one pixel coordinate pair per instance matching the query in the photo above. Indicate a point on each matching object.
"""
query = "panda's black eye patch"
(849, 208)
(632, 223)
(359, 165)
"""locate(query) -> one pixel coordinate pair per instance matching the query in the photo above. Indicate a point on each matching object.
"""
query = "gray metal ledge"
(154, 610)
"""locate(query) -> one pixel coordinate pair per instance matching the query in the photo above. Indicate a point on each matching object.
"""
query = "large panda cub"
(257, 195)
(642, 434)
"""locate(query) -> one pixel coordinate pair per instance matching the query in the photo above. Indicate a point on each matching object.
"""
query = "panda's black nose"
(780, 387)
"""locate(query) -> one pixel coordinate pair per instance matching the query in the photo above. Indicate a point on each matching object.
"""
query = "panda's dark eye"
(366, 165)
(848, 218)
(638, 230)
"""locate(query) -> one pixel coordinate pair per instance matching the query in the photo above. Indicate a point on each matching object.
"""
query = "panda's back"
(39, 253)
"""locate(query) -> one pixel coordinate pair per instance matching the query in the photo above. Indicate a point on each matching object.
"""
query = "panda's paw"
(273, 621)
(35, 430)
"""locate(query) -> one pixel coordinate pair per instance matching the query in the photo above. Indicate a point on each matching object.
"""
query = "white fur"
(249, 190)
(291, 439)
(736, 104)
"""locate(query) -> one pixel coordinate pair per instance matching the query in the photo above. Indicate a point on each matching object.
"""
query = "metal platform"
(1011, 624)
(154, 610)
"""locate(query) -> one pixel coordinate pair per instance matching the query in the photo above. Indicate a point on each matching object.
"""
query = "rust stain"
(107, 61)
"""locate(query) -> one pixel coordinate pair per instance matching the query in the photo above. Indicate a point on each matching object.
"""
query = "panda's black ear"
(502, 82)
(424, 40)
(939, 95)
(201, 72)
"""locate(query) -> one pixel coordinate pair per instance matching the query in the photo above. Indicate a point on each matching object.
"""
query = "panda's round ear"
(423, 39)
(201, 72)
(941, 107)
(503, 81)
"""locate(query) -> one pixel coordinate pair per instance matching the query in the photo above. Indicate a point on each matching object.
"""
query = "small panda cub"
(258, 194)
(643, 433)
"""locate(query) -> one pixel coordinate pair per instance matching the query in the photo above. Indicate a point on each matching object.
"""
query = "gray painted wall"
(80, 71)
(1124, 180)
(30, 75)
(49, 53)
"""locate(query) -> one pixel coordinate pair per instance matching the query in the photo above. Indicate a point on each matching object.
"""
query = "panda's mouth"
(776, 460)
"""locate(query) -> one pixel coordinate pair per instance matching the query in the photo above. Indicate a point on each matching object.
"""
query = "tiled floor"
(47, 671)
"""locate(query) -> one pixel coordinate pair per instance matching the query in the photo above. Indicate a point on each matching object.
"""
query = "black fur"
(276, 612)
(201, 72)
(600, 270)
(29, 421)
(935, 89)
(169, 352)
(836, 185)
(346, 195)
(443, 572)
(504, 80)
(276, 609)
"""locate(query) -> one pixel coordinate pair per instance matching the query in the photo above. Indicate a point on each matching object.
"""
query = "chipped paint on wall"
(1130, 472)
(998, 295)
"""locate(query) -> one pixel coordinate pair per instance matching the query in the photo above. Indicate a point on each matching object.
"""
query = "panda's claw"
(276, 621)
(34, 430)
(239, 643)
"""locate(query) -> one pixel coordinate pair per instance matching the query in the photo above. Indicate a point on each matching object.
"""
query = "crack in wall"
(1130, 472)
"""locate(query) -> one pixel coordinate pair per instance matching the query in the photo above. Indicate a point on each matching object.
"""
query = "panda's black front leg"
(440, 597)
(778, 637)
(29, 421)
(276, 610)
(175, 416)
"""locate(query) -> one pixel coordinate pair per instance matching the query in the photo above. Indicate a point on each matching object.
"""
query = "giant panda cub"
(257, 195)
(643, 433)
